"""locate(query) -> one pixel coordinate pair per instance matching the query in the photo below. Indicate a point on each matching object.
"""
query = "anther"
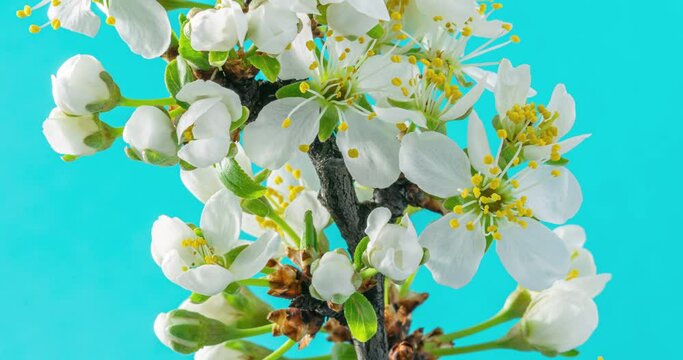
(286, 123)
(304, 148)
(110, 20)
(353, 153)
(454, 223)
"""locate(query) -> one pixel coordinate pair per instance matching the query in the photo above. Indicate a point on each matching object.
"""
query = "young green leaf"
(198, 59)
(218, 58)
(239, 182)
(178, 73)
(291, 90)
(361, 317)
(328, 123)
(310, 238)
(268, 65)
(358, 254)
(343, 351)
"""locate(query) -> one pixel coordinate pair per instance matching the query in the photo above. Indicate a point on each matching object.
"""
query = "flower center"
(203, 253)
(532, 125)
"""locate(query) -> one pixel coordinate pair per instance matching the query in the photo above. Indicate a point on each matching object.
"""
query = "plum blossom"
(195, 261)
(492, 204)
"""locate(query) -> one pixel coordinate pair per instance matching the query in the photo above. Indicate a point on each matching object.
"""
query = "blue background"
(77, 278)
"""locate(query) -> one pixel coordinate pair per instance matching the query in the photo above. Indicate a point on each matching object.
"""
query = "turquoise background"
(78, 281)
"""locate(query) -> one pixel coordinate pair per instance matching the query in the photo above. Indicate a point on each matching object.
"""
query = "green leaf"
(178, 73)
(114, 96)
(361, 317)
(218, 58)
(310, 236)
(343, 351)
(239, 182)
(198, 59)
(232, 255)
(328, 123)
(291, 90)
(239, 122)
(268, 65)
(262, 175)
(376, 32)
(570, 353)
(198, 298)
(451, 202)
(358, 254)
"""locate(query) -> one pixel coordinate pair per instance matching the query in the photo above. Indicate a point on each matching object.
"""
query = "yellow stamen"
(533, 165)
(515, 39)
(396, 16)
(304, 87)
(488, 159)
(454, 223)
(34, 29)
(110, 20)
(353, 153)
(56, 24)
(278, 180)
(556, 173)
(502, 134)
(343, 126)
(470, 226)
(286, 123)
(27, 10)
(304, 148)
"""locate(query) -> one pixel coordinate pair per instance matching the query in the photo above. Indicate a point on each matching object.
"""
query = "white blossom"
(563, 317)
(68, 135)
(218, 29)
(204, 130)
(491, 206)
(393, 249)
(80, 88)
(334, 278)
(271, 26)
(337, 87)
(196, 262)
(151, 136)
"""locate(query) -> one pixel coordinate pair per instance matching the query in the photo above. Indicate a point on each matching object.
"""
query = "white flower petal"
(167, 236)
(221, 221)
(204, 89)
(512, 86)
(478, 144)
(205, 152)
(374, 146)
(396, 115)
(345, 19)
(269, 144)
(534, 256)
(456, 11)
(202, 182)
(563, 103)
(143, 25)
(533, 152)
(373, 8)
(295, 60)
(76, 16)
(465, 103)
(150, 128)
(255, 257)
(66, 134)
(454, 254)
(574, 236)
(435, 163)
(377, 220)
(552, 199)
(589, 285)
(206, 280)
(272, 28)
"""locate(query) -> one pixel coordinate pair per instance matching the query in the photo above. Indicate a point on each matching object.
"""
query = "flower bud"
(83, 87)
(77, 135)
(334, 278)
(296, 324)
(186, 332)
(393, 249)
(233, 350)
(241, 309)
(559, 321)
(151, 136)
(218, 29)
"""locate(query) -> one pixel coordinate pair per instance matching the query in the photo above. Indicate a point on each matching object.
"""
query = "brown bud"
(302, 258)
(402, 351)
(412, 301)
(337, 332)
(296, 324)
(285, 282)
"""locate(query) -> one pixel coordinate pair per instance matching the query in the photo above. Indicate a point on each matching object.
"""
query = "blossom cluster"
(382, 81)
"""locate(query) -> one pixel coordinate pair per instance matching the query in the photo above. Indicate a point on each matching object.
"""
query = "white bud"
(334, 278)
(559, 321)
(82, 87)
(393, 249)
(151, 136)
(219, 352)
(76, 135)
(218, 29)
(186, 332)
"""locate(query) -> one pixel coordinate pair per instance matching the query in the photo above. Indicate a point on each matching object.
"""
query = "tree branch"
(338, 195)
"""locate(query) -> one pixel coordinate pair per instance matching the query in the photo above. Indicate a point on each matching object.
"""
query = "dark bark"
(339, 196)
